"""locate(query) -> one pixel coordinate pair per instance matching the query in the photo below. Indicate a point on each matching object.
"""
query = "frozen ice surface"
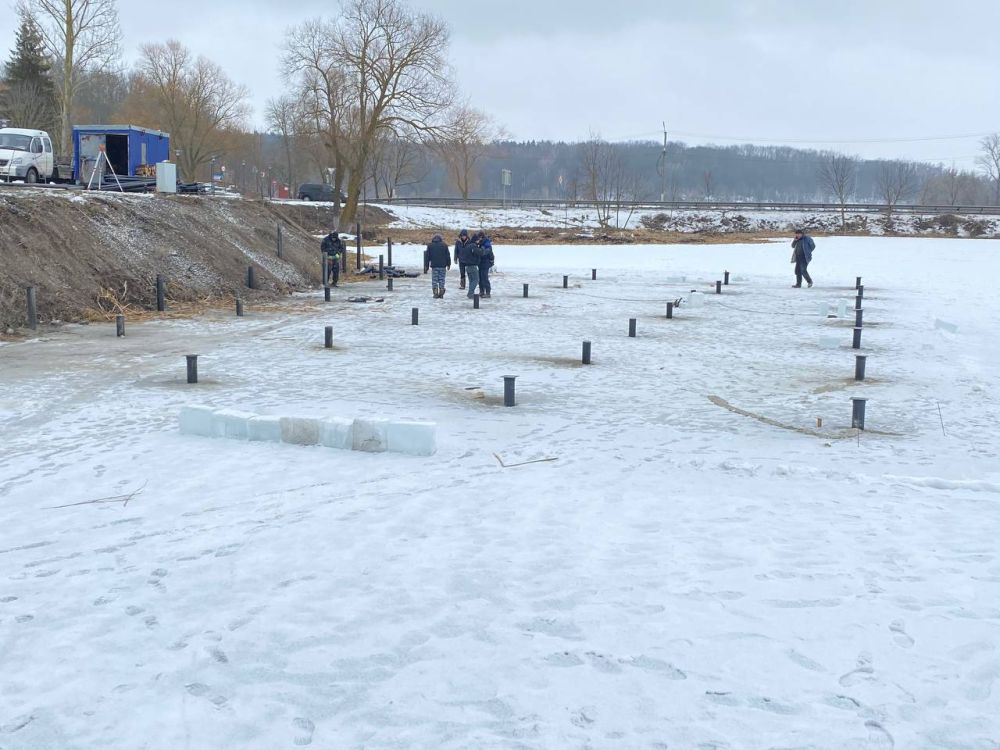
(197, 420)
(371, 435)
(671, 553)
(944, 325)
(337, 432)
(264, 429)
(412, 438)
(231, 423)
(300, 430)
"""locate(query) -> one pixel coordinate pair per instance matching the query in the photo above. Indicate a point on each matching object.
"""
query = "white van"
(26, 155)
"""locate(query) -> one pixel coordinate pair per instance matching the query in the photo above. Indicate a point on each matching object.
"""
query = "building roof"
(114, 128)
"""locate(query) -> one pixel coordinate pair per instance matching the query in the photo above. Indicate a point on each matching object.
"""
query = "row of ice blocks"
(369, 435)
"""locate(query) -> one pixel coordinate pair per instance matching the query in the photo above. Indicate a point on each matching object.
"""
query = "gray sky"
(799, 72)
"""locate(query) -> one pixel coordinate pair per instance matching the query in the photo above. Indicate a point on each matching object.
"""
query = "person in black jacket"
(802, 255)
(438, 259)
(468, 252)
(333, 248)
(486, 263)
(463, 238)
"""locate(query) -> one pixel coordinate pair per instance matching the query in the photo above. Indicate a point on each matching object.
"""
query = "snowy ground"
(682, 576)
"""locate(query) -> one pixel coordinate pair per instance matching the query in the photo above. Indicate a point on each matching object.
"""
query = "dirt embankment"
(86, 253)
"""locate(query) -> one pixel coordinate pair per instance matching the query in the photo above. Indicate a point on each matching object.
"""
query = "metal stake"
(389, 284)
(475, 301)
(251, 277)
(586, 352)
(192, 368)
(328, 337)
(859, 317)
(857, 283)
(857, 339)
(239, 307)
(593, 274)
(357, 237)
(508, 390)
(525, 294)
(415, 316)
(281, 242)
(32, 309)
(119, 325)
(859, 366)
(718, 287)
(381, 267)
(670, 310)
(565, 282)
(631, 327)
(390, 251)
(726, 279)
(858, 412)
(161, 294)
(326, 294)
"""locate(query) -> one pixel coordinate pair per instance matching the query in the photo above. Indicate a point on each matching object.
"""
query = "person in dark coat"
(467, 252)
(438, 259)
(463, 238)
(802, 254)
(334, 249)
(486, 262)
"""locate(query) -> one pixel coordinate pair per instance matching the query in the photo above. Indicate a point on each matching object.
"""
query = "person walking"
(486, 262)
(334, 249)
(438, 259)
(802, 253)
(463, 238)
(467, 252)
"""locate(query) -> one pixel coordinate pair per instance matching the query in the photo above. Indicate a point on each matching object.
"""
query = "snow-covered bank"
(680, 576)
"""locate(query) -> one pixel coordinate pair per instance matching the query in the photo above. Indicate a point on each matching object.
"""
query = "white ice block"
(696, 299)
(264, 429)
(413, 438)
(842, 308)
(676, 279)
(232, 424)
(370, 435)
(197, 420)
(299, 430)
(823, 309)
(337, 432)
(944, 325)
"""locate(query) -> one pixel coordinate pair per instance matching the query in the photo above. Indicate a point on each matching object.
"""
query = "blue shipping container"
(132, 150)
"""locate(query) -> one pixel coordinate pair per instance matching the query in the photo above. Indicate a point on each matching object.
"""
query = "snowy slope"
(680, 576)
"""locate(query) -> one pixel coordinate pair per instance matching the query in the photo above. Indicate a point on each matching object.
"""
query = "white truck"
(26, 155)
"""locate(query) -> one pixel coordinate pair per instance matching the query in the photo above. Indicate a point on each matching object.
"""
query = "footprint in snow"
(878, 737)
(306, 730)
(861, 673)
(901, 637)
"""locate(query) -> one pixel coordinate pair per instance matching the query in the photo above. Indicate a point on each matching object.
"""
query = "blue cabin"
(132, 151)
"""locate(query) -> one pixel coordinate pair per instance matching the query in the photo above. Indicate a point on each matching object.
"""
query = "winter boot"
(437, 293)
(441, 291)
(461, 284)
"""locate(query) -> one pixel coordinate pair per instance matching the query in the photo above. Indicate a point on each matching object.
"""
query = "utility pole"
(661, 167)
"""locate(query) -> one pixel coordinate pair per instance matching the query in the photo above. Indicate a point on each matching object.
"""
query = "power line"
(759, 139)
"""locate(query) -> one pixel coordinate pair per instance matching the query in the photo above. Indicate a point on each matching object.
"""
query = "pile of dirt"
(84, 251)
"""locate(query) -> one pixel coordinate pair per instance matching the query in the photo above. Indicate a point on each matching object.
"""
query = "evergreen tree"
(28, 96)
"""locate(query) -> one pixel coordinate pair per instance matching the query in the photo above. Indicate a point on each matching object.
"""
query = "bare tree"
(467, 138)
(896, 181)
(989, 163)
(395, 163)
(395, 67)
(190, 97)
(836, 174)
(281, 116)
(25, 103)
(707, 182)
(607, 181)
(81, 35)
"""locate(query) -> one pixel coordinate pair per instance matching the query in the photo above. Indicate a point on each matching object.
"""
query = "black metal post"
(631, 327)
(525, 293)
(415, 316)
(593, 274)
(119, 325)
(508, 390)
(857, 283)
(357, 238)
(859, 366)
(326, 294)
(161, 293)
(670, 310)
(586, 352)
(565, 282)
(861, 291)
(281, 242)
(251, 277)
(475, 301)
(32, 309)
(390, 251)
(388, 284)
(858, 412)
(726, 279)
(328, 337)
(239, 307)
(192, 368)
(718, 287)
(856, 344)
(857, 302)
(381, 267)
(859, 317)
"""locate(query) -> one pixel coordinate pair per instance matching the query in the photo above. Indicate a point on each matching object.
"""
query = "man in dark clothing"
(463, 238)
(438, 259)
(468, 252)
(333, 247)
(486, 262)
(802, 254)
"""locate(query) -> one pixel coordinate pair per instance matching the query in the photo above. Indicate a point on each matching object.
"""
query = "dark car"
(314, 191)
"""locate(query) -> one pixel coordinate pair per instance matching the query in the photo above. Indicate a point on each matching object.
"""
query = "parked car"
(314, 191)
(26, 155)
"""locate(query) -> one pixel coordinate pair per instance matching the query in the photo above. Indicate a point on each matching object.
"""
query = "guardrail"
(555, 205)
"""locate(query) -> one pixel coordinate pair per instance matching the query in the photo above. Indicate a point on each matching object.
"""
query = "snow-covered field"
(680, 576)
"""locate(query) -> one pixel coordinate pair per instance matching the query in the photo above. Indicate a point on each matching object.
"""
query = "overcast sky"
(824, 73)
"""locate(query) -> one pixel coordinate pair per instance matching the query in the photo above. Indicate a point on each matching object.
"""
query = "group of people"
(475, 259)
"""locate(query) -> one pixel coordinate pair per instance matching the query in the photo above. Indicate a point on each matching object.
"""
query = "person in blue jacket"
(486, 262)
(802, 254)
(467, 253)
(463, 238)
